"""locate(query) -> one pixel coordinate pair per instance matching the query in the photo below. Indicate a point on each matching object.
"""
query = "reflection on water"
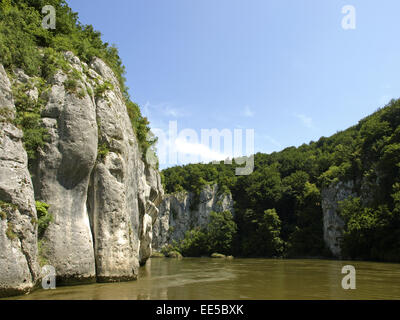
(211, 279)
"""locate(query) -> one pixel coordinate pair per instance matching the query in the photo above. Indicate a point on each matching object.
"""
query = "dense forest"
(278, 207)
(25, 44)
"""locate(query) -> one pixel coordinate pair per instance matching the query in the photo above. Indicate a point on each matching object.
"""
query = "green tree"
(220, 232)
(307, 238)
(264, 241)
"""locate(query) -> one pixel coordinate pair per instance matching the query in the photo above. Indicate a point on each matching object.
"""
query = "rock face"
(62, 177)
(151, 194)
(333, 223)
(103, 197)
(122, 190)
(176, 215)
(19, 269)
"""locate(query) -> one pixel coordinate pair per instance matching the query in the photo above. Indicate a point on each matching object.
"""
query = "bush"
(71, 85)
(29, 120)
(44, 217)
(102, 151)
(101, 89)
(217, 236)
(194, 244)
(141, 128)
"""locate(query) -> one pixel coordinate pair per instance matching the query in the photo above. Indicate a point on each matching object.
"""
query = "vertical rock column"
(333, 222)
(113, 204)
(150, 196)
(62, 178)
(18, 231)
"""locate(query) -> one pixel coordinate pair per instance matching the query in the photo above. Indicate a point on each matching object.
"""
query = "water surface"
(209, 279)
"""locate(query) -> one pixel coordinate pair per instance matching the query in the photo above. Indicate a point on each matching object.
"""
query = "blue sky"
(285, 68)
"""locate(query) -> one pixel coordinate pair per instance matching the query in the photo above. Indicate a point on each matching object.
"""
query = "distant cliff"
(183, 211)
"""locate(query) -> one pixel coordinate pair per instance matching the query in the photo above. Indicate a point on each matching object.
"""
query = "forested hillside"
(278, 207)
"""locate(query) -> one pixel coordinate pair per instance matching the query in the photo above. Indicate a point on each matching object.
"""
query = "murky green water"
(210, 279)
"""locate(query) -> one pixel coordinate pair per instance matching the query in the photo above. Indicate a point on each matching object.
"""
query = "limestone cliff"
(331, 196)
(332, 221)
(103, 197)
(19, 269)
(179, 213)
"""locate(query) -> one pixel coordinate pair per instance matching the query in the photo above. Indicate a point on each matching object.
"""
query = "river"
(210, 279)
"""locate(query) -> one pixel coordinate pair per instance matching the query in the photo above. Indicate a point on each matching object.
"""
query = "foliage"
(44, 217)
(102, 151)
(371, 233)
(220, 232)
(28, 118)
(41, 253)
(10, 231)
(71, 85)
(5, 207)
(194, 244)
(102, 88)
(307, 238)
(141, 128)
(264, 238)
(217, 236)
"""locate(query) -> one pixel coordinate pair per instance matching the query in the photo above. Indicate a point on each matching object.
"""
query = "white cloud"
(306, 121)
(198, 151)
(182, 151)
(248, 112)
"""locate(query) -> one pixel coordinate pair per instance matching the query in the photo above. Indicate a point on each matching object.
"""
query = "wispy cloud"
(173, 112)
(305, 120)
(273, 141)
(165, 109)
(248, 112)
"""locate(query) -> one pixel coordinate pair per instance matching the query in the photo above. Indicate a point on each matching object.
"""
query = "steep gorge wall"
(19, 269)
(177, 215)
(103, 204)
(333, 223)
(331, 197)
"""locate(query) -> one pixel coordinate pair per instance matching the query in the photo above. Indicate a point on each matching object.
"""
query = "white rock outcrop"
(177, 213)
(19, 269)
(332, 221)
